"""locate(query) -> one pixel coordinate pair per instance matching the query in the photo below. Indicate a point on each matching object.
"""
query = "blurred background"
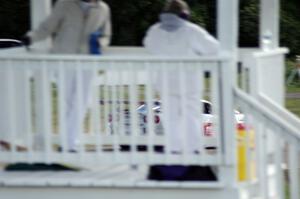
(131, 18)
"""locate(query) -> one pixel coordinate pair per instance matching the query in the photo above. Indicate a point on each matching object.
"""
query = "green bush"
(131, 19)
(249, 27)
(290, 31)
(14, 18)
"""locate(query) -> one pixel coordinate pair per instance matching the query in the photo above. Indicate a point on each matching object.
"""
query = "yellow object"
(245, 160)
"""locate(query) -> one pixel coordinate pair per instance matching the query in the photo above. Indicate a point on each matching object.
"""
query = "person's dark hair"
(88, 0)
(178, 7)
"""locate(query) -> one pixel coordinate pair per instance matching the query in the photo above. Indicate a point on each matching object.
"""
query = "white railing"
(35, 100)
(263, 72)
(277, 138)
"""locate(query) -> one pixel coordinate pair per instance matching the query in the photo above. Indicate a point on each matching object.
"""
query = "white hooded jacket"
(71, 27)
(176, 37)
(187, 39)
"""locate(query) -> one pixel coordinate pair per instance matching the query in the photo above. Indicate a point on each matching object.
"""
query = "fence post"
(228, 37)
(39, 10)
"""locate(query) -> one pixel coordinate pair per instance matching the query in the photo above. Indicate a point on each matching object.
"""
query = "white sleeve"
(204, 43)
(51, 24)
(107, 32)
(149, 40)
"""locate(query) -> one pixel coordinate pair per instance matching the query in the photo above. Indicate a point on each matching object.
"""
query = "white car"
(10, 43)
(209, 132)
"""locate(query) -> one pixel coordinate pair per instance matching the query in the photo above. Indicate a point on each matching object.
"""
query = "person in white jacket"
(175, 36)
(71, 24)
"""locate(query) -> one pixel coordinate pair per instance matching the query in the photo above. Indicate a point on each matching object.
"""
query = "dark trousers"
(181, 173)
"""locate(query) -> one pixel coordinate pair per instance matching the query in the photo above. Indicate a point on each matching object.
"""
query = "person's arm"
(204, 43)
(50, 25)
(150, 40)
(106, 30)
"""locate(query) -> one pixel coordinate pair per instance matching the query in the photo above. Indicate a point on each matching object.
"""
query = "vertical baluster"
(80, 112)
(294, 169)
(96, 119)
(278, 163)
(123, 128)
(199, 111)
(121, 106)
(106, 103)
(133, 112)
(114, 112)
(243, 77)
(255, 128)
(46, 90)
(39, 144)
(215, 99)
(183, 102)
(28, 111)
(4, 106)
(150, 130)
(62, 108)
(262, 142)
(164, 75)
(246, 138)
(12, 108)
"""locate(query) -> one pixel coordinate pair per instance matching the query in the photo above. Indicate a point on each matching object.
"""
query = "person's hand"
(26, 40)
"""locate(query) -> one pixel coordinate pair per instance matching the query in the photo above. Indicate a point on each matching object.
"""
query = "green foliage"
(131, 19)
(14, 18)
(294, 106)
(203, 13)
(293, 86)
(290, 30)
(289, 25)
(249, 26)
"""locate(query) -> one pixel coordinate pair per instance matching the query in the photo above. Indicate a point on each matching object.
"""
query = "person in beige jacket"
(70, 25)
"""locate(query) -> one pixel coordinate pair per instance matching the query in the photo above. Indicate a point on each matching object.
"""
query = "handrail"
(271, 112)
(115, 58)
(279, 121)
(128, 83)
(276, 51)
(287, 115)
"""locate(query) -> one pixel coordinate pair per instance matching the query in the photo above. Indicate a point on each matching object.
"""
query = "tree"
(249, 26)
(290, 26)
(131, 19)
(14, 18)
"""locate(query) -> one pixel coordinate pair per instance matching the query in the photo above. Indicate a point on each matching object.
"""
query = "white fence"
(39, 94)
(38, 91)
(263, 72)
(276, 151)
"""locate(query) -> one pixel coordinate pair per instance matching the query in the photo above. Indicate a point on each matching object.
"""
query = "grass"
(294, 106)
(294, 87)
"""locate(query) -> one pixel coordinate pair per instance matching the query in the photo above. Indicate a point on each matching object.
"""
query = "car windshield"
(206, 108)
(9, 43)
(142, 108)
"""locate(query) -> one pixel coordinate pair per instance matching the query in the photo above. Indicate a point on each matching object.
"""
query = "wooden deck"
(116, 176)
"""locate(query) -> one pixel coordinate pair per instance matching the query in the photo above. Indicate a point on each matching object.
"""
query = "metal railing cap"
(115, 58)
(272, 52)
